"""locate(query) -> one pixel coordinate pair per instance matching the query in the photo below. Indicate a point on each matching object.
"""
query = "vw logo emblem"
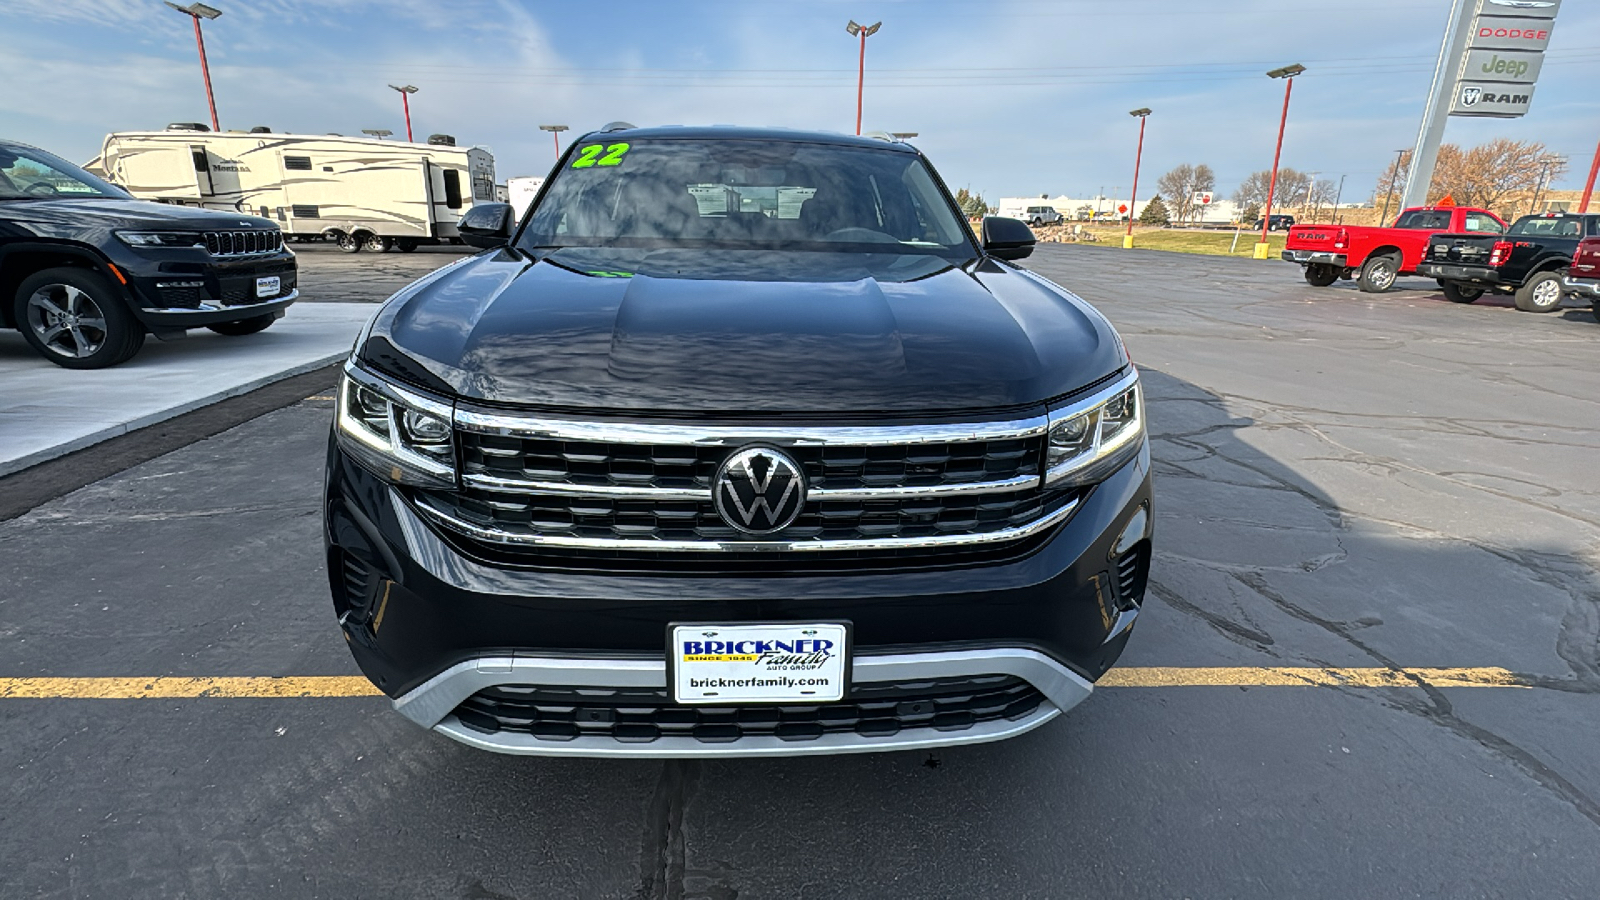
(759, 490)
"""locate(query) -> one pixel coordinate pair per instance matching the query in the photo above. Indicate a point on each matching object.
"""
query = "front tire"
(76, 319)
(244, 326)
(349, 243)
(1541, 293)
(1378, 274)
(1456, 293)
(1320, 275)
(406, 245)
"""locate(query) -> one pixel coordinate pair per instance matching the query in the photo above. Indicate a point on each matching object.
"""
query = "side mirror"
(1007, 238)
(486, 225)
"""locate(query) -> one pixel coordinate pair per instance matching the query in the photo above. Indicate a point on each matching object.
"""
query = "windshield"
(1552, 226)
(26, 173)
(746, 195)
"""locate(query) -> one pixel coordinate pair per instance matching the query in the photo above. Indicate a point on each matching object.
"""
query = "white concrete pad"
(47, 411)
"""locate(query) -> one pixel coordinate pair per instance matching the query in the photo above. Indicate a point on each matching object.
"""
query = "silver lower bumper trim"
(1583, 287)
(214, 308)
(432, 704)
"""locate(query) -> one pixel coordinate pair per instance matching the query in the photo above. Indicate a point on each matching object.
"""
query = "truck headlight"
(397, 433)
(1093, 438)
(161, 239)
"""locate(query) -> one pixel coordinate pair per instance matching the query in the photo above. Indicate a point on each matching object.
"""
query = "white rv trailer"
(520, 191)
(360, 192)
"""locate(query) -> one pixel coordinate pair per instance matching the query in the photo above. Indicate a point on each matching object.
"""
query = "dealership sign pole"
(1488, 63)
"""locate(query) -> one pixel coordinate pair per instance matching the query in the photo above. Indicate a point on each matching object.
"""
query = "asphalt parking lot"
(1355, 491)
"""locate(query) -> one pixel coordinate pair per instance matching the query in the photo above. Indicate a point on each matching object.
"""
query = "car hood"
(117, 213)
(500, 329)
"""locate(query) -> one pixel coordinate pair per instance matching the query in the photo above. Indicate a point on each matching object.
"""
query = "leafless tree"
(1485, 176)
(1181, 184)
(1289, 193)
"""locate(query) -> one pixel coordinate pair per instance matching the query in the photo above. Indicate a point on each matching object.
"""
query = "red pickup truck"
(1376, 256)
(1583, 278)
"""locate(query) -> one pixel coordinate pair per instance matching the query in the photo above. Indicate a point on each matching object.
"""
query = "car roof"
(739, 133)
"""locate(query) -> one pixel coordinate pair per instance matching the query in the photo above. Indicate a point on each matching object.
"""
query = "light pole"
(555, 133)
(1311, 185)
(1334, 215)
(198, 11)
(864, 32)
(1399, 155)
(1141, 114)
(1287, 73)
(405, 100)
(1588, 186)
(379, 133)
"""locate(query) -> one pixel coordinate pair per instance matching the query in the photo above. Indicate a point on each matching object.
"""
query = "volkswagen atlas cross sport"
(739, 443)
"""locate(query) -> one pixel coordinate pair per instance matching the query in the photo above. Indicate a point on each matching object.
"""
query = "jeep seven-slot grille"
(242, 243)
(642, 716)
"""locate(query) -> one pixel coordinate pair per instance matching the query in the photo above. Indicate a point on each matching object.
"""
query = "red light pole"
(405, 100)
(1287, 73)
(1141, 114)
(555, 132)
(865, 31)
(1588, 186)
(198, 11)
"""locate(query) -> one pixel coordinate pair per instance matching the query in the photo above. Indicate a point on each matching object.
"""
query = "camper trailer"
(520, 191)
(359, 192)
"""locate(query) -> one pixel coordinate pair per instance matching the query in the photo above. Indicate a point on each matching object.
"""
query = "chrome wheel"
(1547, 293)
(1383, 276)
(66, 320)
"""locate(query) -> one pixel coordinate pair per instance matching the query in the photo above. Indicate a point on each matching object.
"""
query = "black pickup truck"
(1528, 261)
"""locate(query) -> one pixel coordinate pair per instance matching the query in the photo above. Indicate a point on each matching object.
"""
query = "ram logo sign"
(1491, 99)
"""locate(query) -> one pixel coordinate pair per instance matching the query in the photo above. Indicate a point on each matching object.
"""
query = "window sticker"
(600, 155)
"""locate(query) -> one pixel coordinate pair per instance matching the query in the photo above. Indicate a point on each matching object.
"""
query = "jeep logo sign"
(1474, 98)
(1502, 65)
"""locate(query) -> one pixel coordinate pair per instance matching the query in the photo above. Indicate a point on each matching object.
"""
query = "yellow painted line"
(173, 688)
(1310, 676)
(333, 686)
(322, 397)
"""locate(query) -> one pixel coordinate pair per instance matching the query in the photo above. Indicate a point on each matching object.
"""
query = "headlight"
(1091, 439)
(398, 434)
(161, 239)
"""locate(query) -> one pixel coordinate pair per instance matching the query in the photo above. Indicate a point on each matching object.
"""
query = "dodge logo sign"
(759, 490)
(1470, 95)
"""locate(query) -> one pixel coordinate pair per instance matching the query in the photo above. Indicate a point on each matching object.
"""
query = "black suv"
(86, 270)
(741, 444)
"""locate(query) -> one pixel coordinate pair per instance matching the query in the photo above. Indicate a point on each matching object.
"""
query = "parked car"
(1042, 215)
(1529, 261)
(1279, 223)
(1583, 277)
(722, 451)
(86, 271)
(1377, 256)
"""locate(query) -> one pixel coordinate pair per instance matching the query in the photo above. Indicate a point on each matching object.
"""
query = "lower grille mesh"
(641, 716)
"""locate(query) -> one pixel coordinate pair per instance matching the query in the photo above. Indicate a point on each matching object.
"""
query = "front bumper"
(436, 624)
(189, 288)
(1582, 287)
(1465, 274)
(1316, 257)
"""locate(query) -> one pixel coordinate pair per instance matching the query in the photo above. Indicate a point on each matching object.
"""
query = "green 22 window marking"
(592, 155)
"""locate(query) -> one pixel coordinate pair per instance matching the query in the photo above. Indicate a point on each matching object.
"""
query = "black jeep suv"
(740, 444)
(86, 271)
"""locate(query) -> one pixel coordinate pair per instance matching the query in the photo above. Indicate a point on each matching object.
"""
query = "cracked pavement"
(1343, 479)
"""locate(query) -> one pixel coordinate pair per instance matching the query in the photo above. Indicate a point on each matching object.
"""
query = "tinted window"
(29, 173)
(1540, 226)
(1424, 219)
(746, 194)
(300, 163)
(452, 188)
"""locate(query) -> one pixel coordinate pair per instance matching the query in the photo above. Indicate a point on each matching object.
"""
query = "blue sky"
(1010, 97)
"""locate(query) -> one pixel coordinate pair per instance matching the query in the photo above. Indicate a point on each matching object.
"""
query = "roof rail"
(880, 136)
(617, 126)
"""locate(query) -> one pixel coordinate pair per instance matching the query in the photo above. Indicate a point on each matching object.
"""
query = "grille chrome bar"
(647, 492)
(484, 421)
(243, 243)
(513, 538)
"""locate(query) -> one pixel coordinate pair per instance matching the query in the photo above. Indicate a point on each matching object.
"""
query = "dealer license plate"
(269, 286)
(770, 663)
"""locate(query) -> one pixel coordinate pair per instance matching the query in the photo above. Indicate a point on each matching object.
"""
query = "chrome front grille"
(243, 243)
(589, 485)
